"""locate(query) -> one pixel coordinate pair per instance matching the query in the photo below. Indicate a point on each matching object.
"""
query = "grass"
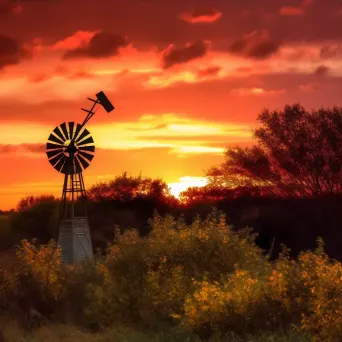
(63, 333)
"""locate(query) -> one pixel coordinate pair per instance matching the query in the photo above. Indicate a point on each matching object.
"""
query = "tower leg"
(74, 234)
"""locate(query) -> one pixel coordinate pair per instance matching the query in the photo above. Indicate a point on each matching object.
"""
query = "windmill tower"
(70, 149)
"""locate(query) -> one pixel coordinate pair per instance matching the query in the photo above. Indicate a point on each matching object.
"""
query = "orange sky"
(187, 79)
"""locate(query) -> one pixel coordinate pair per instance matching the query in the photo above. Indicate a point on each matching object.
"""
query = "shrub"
(155, 273)
(204, 275)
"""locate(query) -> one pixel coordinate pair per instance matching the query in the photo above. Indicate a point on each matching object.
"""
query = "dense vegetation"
(204, 278)
(169, 270)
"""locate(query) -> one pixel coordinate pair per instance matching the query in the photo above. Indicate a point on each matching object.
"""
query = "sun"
(186, 182)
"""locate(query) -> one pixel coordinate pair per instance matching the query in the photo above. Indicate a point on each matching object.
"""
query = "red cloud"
(7, 8)
(331, 51)
(31, 148)
(291, 10)
(37, 78)
(11, 51)
(102, 44)
(310, 86)
(74, 41)
(257, 45)
(321, 70)
(201, 16)
(210, 71)
(295, 10)
(173, 55)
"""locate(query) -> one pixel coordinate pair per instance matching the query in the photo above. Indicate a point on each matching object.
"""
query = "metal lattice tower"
(70, 149)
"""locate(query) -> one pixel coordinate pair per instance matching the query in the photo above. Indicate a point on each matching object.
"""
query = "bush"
(154, 274)
(204, 276)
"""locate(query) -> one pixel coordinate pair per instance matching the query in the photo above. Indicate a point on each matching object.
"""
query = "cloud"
(256, 45)
(201, 16)
(256, 91)
(173, 55)
(102, 44)
(295, 10)
(76, 40)
(195, 76)
(7, 8)
(291, 11)
(182, 150)
(321, 70)
(22, 148)
(311, 86)
(11, 51)
(69, 75)
(210, 71)
(331, 51)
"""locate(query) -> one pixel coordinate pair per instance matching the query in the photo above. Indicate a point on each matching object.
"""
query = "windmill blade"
(78, 168)
(84, 163)
(64, 129)
(55, 139)
(87, 148)
(86, 141)
(50, 154)
(71, 129)
(58, 132)
(53, 161)
(86, 155)
(82, 136)
(77, 131)
(60, 163)
(51, 146)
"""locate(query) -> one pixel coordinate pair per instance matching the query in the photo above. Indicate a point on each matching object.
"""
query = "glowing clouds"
(79, 38)
(296, 10)
(200, 16)
(256, 91)
(180, 135)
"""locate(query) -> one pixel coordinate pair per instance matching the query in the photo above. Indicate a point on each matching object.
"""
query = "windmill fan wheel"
(70, 148)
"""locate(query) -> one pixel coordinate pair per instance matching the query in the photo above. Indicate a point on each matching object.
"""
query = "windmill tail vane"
(70, 150)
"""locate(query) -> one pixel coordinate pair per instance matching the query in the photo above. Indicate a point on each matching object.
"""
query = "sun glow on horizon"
(186, 182)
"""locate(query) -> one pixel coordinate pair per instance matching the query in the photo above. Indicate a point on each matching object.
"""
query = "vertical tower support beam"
(74, 237)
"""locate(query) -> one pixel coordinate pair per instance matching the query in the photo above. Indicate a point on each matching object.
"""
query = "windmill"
(70, 149)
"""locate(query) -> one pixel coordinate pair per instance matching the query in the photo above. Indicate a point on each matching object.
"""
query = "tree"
(126, 188)
(36, 217)
(28, 202)
(297, 153)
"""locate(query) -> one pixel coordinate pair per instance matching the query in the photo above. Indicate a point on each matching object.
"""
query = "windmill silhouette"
(70, 149)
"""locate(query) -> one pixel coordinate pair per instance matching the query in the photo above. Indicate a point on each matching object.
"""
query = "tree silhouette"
(297, 153)
(126, 188)
(28, 202)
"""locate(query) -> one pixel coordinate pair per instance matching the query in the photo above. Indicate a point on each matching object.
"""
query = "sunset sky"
(187, 78)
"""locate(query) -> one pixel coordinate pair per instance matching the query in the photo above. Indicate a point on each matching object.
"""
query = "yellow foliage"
(202, 275)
